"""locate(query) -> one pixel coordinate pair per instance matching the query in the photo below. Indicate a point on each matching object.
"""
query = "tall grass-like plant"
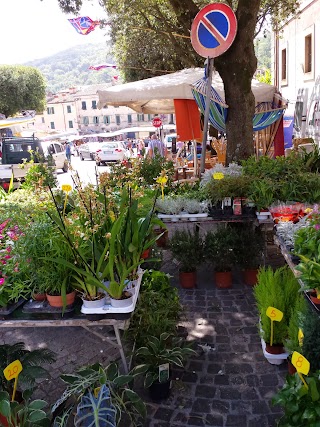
(277, 289)
(187, 248)
(311, 340)
(299, 312)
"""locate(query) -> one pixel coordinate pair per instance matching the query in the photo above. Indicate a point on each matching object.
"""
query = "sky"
(33, 29)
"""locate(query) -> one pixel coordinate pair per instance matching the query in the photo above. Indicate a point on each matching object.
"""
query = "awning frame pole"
(206, 113)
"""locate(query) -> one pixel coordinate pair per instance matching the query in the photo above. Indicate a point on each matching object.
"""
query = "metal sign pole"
(206, 114)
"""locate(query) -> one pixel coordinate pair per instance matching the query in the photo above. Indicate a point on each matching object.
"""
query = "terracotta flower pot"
(291, 369)
(313, 297)
(56, 300)
(39, 297)
(223, 279)
(188, 280)
(250, 277)
(275, 348)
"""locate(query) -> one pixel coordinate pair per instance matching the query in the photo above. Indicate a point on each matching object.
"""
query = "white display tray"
(183, 216)
(108, 309)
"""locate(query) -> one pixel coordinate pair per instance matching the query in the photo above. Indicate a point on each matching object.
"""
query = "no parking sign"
(213, 30)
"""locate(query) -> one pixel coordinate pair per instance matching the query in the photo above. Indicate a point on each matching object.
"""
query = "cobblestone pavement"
(228, 382)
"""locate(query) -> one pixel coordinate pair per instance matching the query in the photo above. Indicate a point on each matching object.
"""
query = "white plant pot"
(94, 304)
(121, 303)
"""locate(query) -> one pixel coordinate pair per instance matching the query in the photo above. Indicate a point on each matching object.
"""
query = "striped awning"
(265, 115)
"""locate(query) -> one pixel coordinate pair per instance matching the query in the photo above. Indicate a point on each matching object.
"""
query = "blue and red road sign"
(213, 30)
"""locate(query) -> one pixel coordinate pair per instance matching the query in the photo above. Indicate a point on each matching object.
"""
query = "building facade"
(76, 110)
(296, 67)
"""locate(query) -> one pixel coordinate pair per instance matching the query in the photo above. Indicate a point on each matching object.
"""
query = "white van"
(168, 140)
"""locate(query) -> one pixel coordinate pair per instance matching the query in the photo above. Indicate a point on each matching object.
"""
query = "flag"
(101, 66)
(83, 25)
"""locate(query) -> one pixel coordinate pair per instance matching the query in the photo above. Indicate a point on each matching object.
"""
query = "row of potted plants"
(230, 246)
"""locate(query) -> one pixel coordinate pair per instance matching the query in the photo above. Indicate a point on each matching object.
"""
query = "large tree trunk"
(236, 68)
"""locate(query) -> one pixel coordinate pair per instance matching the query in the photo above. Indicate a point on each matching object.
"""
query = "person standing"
(68, 152)
(141, 148)
(156, 146)
(180, 147)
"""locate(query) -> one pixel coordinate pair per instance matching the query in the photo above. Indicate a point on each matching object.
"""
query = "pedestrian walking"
(68, 152)
(156, 146)
(141, 148)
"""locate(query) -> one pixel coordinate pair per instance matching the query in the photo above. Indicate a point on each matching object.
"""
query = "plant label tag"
(164, 373)
(13, 370)
(301, 364)
(274, 314)
(218, 175)
(66, 188)
(300, 337)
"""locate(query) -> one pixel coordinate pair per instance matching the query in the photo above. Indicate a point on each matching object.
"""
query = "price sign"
(164, 373)
(12, 370)
(218, 175)
(66, 188)
(301, 364)
(274, 314)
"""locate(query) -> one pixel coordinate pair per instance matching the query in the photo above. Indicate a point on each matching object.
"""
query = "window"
(308, 54)
(140, 117)
(68, 108)
(70, 124)
(106, 120)
(52, 125)
(96, 120)
(94, 105)
(118, 121)
(284, 64)
(42, 120)
(84, 105)
(85, 120)
(58, 148)
(50, 110)
(149, 117)
(129, 118)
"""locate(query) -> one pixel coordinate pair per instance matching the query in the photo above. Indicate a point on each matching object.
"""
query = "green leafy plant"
(300, 404)
(187, 248)
(277, 289)
(27, 414)
(31, 361)
(249, 247)
(158, 309)
(261, 192)
(151, 168)
(300, 310)
(220, 248)
(127, 404)
(311, 340)
(159, 351)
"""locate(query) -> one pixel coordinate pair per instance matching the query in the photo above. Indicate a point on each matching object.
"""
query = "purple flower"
(317, 227)
(1, 281)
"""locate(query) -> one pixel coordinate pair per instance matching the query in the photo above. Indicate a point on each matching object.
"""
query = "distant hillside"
(71, 67)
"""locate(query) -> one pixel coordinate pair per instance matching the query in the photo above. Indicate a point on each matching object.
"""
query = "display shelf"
(292, 266)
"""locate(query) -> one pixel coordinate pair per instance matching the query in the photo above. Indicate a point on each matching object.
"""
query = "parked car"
(57, 151)
(112, 151)
(169, 139)
(88, 150)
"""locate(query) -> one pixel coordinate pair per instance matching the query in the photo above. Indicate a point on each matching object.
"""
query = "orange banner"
(187, 120)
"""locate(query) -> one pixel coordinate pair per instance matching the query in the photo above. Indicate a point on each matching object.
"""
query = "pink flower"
(7, 257)
(317, 227)
(9, 249)
(1, 281)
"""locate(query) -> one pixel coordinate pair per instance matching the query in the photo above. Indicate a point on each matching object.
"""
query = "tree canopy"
(21, 88)
(153, 35)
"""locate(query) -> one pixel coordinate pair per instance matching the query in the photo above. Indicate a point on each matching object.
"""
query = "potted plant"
(220, 251)
(300, 403)
(101, 392)
(249, 251)
(311, 340)
(261, 192)
(278, 289)
(155, 359)
(294, 341)
(29, 413)
(32, 361)
(187, 248)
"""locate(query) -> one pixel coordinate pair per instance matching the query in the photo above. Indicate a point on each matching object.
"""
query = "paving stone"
(222, 380)
(258, 422)
(230, 393)
(196, 419)
(240, 407)
(190, 377)
(266, 380)
(240, 368)
(214, 368)
(201, 405)
(195, 366)
(205, 391)
(250, 394)
(163, 414)
(236, 420)
(260, 407)
(214, 420)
